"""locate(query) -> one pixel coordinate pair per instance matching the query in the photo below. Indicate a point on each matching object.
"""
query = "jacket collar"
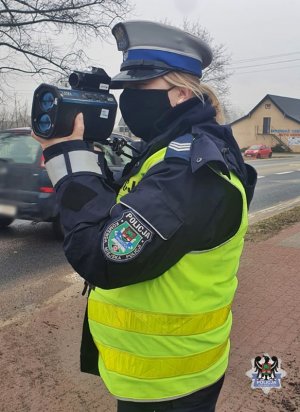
(179, 120)
(195, 117)
(188, 113)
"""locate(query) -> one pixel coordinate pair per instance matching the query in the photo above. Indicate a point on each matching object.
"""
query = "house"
(122, 128)
(275, 120)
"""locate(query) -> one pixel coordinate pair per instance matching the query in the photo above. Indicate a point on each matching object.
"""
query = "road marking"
(284, 173)
(279, 173)
(27, 311)
(74, 277)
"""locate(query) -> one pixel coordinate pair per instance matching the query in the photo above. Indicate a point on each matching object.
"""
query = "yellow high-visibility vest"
(168, 337)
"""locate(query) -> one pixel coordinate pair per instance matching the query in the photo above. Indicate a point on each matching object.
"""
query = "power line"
(267, 70)
(265, 57)
(265, 64)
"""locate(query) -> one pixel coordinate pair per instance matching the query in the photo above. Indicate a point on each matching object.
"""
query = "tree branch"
(6, 69)
(30, 53)
(30, 33)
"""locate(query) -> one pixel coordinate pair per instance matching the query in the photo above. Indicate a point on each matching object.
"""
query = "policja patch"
(125, 238)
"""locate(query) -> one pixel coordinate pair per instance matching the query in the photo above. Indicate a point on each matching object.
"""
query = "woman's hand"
(77, 134)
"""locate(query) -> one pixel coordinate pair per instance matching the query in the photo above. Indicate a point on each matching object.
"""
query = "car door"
(263, 151)
(19, 160)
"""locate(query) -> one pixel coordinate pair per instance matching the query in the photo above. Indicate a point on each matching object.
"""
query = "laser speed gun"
(54, 109)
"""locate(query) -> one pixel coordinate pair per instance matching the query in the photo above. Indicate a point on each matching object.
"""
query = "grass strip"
(272, 225)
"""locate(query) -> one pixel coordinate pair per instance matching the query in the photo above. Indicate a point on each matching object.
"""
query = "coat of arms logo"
(266, 373)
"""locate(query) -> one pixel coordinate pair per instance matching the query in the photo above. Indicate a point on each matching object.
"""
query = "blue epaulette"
(180, 148)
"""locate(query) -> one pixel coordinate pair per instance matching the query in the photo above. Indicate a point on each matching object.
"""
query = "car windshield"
(111, 158)
(119, 160)
(19, 148)
(254, 147)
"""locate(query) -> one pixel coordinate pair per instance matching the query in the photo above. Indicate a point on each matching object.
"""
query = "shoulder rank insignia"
(180, 147)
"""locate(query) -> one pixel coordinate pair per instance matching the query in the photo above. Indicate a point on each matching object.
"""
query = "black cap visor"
(136, 75)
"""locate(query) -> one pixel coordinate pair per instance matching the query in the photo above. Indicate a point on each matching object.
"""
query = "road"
(36, 243)
(30, 258)
(278, 181)
(26, 248)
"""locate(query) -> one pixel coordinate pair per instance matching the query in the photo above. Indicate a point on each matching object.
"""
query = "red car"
(258, 151)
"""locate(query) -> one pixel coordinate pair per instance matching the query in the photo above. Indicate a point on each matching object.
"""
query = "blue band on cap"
(174, 60)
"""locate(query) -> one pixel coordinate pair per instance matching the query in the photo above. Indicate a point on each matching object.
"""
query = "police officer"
(161, 252)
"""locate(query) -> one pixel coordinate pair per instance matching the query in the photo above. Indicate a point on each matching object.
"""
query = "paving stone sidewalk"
(266, 319)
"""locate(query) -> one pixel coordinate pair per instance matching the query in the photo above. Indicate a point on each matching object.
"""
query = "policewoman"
(161, 252)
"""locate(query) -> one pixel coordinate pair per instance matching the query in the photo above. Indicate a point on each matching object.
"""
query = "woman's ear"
(183, 94)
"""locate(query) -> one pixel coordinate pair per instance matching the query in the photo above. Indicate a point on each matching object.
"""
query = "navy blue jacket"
(180, 204)
(180, 198)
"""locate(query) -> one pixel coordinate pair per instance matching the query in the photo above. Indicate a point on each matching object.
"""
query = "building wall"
(249, 131)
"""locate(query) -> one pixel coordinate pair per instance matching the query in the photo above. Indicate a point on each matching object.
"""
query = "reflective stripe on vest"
(156, 323)
(152, 367)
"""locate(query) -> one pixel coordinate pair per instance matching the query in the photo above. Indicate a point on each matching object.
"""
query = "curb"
(260, 215)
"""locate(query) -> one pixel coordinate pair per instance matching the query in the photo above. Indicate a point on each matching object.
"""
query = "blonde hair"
(198, 88)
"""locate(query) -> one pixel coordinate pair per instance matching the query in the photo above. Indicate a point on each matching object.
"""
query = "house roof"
(121, 122)
(288, 106)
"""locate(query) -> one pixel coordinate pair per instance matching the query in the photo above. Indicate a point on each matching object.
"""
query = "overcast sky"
(265, 31)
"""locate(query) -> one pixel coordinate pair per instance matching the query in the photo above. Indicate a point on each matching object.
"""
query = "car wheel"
(5, 221)
(258, 156)
(58, 229)
(270, 155)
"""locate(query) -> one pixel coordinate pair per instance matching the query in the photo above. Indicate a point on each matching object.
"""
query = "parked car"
(26, 191)
(116, 163)
(258, 151)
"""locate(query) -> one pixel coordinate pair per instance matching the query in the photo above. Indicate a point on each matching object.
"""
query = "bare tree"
(218, 73)
(16, 116)
(231, 112)
(29, 30)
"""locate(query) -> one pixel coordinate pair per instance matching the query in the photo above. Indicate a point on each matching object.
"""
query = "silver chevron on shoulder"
(180, 147)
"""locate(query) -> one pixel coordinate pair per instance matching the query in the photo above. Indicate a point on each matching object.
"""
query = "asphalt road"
(29, 251)
(278, 181)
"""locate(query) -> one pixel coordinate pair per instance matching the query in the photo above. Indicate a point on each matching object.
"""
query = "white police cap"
(153, 49)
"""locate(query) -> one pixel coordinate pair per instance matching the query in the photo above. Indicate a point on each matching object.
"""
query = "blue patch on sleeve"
(180, 148)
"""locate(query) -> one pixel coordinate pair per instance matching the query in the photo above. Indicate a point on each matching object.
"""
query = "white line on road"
(64, 294)
(260, 177)
(284, 173)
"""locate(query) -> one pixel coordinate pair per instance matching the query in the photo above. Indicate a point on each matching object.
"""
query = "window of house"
(266, 125)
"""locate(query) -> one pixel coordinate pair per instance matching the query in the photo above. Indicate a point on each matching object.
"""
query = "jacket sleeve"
(171, 212)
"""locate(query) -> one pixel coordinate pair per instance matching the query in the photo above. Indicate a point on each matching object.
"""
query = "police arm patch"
(125, 238)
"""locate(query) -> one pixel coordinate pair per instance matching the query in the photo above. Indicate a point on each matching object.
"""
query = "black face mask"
(142, 108)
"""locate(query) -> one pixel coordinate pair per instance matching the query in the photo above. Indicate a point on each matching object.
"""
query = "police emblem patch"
(266, 373)
(125, 238)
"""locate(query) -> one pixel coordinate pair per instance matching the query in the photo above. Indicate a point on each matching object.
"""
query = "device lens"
(44, 123)
(47, 101)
